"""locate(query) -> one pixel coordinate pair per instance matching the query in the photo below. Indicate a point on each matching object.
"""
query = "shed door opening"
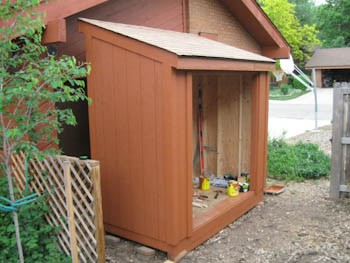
(75, 140)
(227, 110)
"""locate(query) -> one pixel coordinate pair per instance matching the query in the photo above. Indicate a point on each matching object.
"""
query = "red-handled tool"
(200, 135)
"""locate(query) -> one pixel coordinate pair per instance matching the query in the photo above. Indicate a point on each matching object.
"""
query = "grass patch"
(296, 162)
(283, 93)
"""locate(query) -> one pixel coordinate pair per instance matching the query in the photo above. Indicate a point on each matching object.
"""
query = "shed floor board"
(215, 206)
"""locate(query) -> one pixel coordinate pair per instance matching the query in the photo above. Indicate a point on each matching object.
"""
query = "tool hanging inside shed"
(200, 137)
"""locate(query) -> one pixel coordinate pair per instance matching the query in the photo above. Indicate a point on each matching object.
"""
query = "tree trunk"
(14, 213)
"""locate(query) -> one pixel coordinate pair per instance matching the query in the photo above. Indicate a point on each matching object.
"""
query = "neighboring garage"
(332, 65)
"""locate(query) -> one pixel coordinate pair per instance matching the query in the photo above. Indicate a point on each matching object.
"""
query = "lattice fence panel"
(74, 192)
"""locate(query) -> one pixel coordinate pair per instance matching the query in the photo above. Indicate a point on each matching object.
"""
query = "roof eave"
(57, 9)
(54, 14)
(261, 28)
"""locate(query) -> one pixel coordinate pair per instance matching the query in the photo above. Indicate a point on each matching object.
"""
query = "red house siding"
(164, 14)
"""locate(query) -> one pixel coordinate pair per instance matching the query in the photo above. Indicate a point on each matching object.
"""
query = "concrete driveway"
(296, 116)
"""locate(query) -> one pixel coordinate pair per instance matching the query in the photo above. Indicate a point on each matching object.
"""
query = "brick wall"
(211, 16)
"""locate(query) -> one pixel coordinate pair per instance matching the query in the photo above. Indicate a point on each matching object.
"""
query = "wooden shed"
(143, 129)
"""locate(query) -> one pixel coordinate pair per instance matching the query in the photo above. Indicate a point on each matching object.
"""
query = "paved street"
(296, 116)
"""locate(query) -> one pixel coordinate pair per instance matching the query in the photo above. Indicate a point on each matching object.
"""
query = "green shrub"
(39, 239)
(285, 88)
(296, 162)
(296, 84)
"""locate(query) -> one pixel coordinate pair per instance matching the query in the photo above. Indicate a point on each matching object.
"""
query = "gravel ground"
(300, 225)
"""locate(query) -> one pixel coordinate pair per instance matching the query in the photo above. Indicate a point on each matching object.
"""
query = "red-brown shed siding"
(164, 14)
(132, 138)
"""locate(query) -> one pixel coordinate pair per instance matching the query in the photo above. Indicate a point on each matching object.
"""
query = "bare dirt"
(300, 225)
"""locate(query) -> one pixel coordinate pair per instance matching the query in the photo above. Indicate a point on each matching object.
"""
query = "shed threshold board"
(202, 216)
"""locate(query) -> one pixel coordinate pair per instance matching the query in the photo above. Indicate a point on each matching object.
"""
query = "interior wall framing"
(227, 109)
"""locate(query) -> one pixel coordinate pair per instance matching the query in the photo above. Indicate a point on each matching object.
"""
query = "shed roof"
(181, 44)
(327, 58)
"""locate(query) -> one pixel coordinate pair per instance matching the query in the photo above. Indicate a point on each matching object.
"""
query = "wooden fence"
(74, 192)
(340, 175)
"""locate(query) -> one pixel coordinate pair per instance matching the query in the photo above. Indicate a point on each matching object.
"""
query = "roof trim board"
(187, 63)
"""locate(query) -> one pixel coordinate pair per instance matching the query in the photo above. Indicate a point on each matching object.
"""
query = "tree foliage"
(301, 38)
(334, 23)
(31, 83)
(305, 11)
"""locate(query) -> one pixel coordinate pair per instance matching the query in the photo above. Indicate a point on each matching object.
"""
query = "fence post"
(100, 237)
(336, 144)
(70, 211)
(340, 142)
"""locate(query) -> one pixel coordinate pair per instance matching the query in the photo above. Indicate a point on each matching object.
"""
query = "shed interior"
(226, 120)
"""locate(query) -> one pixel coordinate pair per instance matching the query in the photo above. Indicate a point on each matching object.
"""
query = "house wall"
(164, 14)
(211, 16)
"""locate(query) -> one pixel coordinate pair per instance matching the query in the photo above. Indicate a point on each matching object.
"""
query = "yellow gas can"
(205, 184)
